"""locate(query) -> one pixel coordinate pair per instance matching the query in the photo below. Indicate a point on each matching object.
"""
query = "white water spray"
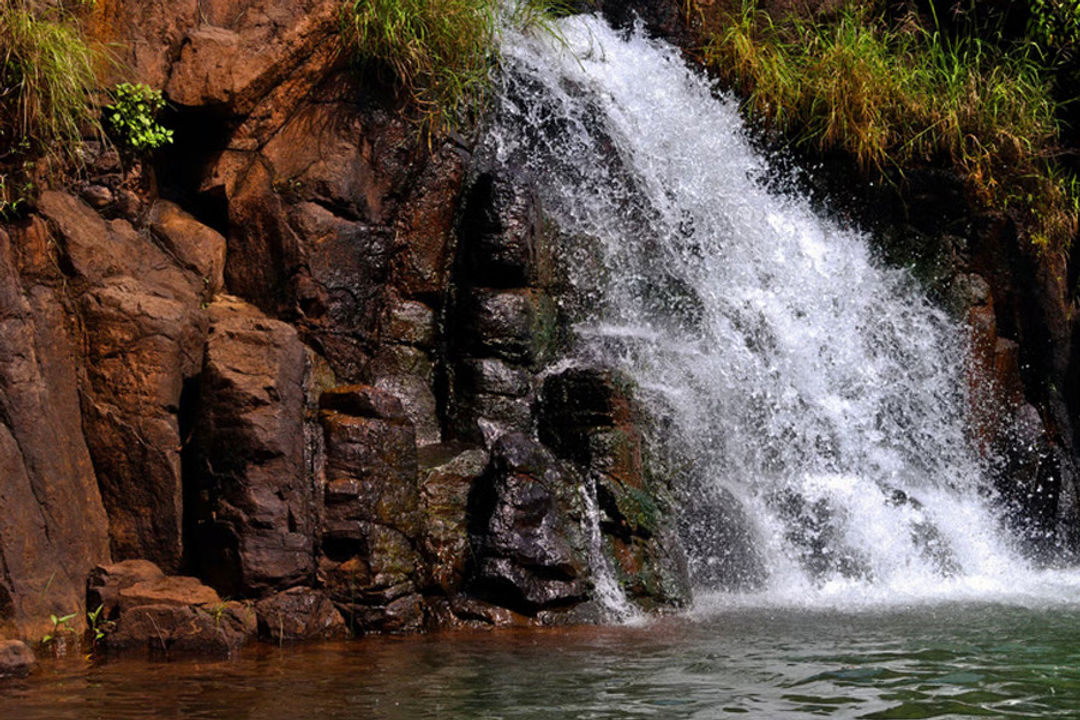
(811, 400)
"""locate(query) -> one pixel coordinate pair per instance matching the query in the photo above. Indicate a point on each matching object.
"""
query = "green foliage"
(893, 96)
(1055, 25)
(60, 627)
(99, 625)
(441, 52)
(47, 74)
(132, 118)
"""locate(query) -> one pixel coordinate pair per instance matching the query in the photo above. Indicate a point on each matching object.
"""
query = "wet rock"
(218, 629)
(502, 233)
(372, 519)
(447, 475)
(514, 325)
(298, 614)
(105, 582)
(526, 529)
(253, 508)
(16, 659)
(168, 590)
(587, 415)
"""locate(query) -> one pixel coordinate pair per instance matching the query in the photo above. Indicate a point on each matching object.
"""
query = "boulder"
(175, 590)
(514, 325)
(587, 414)
(195, 247)
(16, 659)
(501, 233)
(527, 529)
(253, 507)
(299, 613)
(53, 526)
(105, 582)
(144, 332)
(218, 629)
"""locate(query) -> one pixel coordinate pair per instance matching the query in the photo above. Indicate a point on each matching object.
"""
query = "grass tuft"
(893, 96)
(442, 53)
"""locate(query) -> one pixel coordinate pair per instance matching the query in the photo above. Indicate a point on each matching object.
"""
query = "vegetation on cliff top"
(47, 77)
(441, 53)
(892, 94)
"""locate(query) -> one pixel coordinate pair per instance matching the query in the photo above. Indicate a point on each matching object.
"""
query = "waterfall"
(808, 401)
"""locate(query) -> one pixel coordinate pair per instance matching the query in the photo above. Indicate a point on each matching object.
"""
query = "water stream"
(808, 400)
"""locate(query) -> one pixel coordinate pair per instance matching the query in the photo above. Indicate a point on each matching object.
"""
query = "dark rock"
(502, 231)
(105, 582)
(362, 401)
(218, 629)
(372, 518)
(514, 325)
(16, 659)
(527, 529)
(297, 614)
(447, 475)
(253, 511)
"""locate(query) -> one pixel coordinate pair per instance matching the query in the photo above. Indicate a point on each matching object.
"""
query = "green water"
(943, 662)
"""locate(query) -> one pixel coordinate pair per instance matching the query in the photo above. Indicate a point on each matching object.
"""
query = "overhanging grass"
(891, 97)
(47, 74)
(441, 52)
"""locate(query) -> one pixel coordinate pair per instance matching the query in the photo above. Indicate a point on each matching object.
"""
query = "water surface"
(953, 660)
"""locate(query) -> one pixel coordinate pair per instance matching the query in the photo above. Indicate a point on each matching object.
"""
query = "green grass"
(47, 77)
(894, 96)
(441, 52)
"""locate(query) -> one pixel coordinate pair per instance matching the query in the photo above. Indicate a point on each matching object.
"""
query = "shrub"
(132, 118)
(893, 96)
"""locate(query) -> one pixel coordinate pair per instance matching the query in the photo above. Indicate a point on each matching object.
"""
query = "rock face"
(303, 358)
(528, 529)
(252, 504)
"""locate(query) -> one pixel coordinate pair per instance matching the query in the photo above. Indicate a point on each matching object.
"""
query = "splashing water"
(808, 402)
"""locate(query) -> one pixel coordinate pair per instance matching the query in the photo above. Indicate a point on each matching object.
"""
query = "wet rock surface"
(16, 659)
(298, 614)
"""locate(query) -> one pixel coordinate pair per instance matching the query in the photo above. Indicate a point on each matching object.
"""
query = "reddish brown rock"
(300, 613)
(194, 246)
(53, 527)
(253, 506)
(105, 582)
(16, 659)
(182, 629)
(168, 590)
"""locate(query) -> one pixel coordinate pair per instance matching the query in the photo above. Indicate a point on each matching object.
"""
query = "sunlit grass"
(892, 96)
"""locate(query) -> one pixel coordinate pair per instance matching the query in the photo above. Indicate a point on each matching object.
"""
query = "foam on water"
(811, 396)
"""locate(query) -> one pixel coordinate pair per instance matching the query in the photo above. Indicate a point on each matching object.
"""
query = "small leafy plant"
(99, 626)
(132, 118)
(60, 628)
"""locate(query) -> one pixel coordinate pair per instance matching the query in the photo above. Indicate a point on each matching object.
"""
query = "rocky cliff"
(298, 357)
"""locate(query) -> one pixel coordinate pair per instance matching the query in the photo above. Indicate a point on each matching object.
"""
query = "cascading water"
(810, 401)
